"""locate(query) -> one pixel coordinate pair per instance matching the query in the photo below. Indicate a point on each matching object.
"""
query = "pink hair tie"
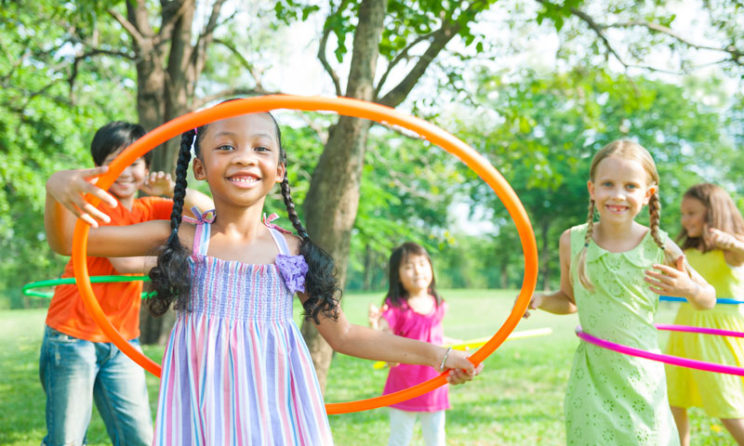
(267, 221)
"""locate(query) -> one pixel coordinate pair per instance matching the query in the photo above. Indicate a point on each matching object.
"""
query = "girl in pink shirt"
(412, 308)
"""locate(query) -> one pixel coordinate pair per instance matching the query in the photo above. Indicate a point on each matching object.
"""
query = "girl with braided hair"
(236, 369)
(611, 273)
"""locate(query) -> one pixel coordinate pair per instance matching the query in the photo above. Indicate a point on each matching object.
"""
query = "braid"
(581, 261)
(320, 283)
(654, 215)
(170, 278)
(179, 190)
(291, 212)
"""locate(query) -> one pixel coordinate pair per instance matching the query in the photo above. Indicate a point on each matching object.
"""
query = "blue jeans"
(74, 372)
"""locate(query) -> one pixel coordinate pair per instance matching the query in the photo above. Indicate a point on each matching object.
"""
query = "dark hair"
(114, 136)
(720, 213)
(397, 295)
(170, 278)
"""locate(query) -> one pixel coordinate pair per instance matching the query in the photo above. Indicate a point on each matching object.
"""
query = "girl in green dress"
(611, 273)
(713, 241)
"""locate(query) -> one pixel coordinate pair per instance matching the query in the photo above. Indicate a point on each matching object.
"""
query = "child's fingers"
(654, 283)
(458, 359)
(93, 171)
(651, 275)
(87, 212)
(102, 195)
(457, 376)
(666, 269)
(90, 220)
(460, 376)
(90, 210)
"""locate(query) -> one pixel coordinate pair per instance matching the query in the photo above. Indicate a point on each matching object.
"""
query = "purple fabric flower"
(293, 270)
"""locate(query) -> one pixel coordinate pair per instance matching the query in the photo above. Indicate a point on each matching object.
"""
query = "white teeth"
(244, 180)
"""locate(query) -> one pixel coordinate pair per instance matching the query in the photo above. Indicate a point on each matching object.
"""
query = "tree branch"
(399, 57)
(128, 26)
(322, 49)
(596, 27)
(206, 37)
(213, 22)
(441, 37)
(93, 52)
(26, 96)
(256, 73)
(171, 12)
(736, 54)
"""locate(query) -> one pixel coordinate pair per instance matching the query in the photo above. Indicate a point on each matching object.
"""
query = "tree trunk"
(333, 198)
(165, 90)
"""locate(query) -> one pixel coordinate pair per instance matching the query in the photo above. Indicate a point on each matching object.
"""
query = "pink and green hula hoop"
(670, 359)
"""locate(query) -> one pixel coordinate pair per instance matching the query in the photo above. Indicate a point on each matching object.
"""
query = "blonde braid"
(581, 261)
(654, 215)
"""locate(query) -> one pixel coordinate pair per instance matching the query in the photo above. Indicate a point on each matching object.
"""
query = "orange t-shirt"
(119, 301)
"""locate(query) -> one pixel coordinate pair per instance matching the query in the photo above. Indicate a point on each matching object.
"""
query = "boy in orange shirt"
(77, 360)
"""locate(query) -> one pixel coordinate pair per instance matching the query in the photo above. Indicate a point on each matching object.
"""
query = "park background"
(536, 87)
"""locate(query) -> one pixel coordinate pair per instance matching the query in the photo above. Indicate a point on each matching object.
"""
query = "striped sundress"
(236, 370)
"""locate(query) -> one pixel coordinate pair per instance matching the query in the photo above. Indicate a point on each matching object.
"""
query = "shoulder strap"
(201, 238)
(280, 241)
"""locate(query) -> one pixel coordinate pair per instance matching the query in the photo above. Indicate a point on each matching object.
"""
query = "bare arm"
(142, 239)
(133, 265)
(561, 301)
(161, 184)
(368, 343)
(682, 281)
(732, 246)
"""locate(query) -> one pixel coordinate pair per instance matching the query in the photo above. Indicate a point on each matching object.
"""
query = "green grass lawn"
(517, 400)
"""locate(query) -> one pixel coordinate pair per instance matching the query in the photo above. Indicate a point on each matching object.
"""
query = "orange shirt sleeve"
(119, 301)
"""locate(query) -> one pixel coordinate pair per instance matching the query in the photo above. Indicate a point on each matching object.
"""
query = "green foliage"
(557, 13)
(541, 132)
(407, 188)
(46, 124)
(406, 22)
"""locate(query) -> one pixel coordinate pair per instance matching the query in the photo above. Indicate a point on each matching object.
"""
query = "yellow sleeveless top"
(728, 281)
(720, 395)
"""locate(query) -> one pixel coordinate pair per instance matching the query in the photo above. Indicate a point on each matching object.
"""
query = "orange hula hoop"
(342, 106)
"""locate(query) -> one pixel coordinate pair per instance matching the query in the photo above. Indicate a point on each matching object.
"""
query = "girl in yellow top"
(712, 238)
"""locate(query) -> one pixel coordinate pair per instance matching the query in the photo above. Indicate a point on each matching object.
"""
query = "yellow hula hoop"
(343, 106)
(480, 342)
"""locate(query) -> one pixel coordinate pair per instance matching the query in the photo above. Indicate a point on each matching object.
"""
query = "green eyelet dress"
(611, 398)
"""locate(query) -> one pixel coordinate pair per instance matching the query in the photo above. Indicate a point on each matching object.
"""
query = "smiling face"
(693, 216)
(239, 158)
(415, 273)
(620, 188)
(131, 179)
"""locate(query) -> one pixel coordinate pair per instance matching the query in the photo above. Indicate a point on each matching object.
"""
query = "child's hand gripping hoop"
(342, 106)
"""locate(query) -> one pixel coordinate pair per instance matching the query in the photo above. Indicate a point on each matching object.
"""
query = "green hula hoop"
(28, 289)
